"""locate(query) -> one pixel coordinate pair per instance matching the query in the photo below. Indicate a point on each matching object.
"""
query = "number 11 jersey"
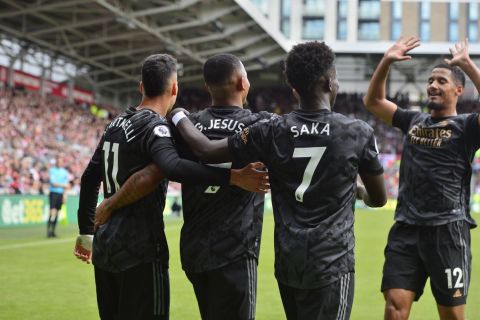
(313, 158)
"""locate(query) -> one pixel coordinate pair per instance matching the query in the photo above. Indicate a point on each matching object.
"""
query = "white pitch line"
(54, 241)
(35, 244)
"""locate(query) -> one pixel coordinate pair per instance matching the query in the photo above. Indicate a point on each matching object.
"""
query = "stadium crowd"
(35, 131)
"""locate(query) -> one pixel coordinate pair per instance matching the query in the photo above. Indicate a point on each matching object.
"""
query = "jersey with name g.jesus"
(135, 234)
(313, 158)
(221, 224)
(436, 167)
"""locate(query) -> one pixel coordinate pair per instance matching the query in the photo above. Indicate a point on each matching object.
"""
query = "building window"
(453, 9)
(369, 20)
(396, 12)
(472, 24)
(314, 7)
(285, 9)
(342, 15)
(262, 5)
(313, 28)
(425, 21)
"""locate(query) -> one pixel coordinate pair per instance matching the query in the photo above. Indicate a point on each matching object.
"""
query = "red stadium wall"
(33, 83)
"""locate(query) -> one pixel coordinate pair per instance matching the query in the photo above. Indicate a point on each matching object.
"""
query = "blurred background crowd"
(36, 131)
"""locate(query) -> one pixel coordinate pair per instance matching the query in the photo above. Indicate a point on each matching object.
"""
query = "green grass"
(41, 279)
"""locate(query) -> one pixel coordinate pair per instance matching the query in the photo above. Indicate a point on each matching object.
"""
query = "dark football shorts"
(141, 292)
(333, 302)
(228, 292)
(414, 253)
(56, 200)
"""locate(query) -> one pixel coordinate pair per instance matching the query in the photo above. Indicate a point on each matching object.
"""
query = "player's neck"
(315, 104)
(227, 101)
(443, 113)
(158, 104)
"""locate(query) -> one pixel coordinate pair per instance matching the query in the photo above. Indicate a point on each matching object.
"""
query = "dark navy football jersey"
(135, 234)
(313, 158)
(221, 224)
(436, 167)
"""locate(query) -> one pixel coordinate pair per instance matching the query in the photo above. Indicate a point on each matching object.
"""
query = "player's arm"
(376, 98)
(208, 151)
(137, 186)
(370, 170)
(372, 192)
(89, 188)
(461, 58)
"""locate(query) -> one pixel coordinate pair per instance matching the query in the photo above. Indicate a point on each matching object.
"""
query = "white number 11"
(315, 154)
(106, 150)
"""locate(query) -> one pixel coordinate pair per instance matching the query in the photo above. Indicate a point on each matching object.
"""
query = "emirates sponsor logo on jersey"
(430, 137)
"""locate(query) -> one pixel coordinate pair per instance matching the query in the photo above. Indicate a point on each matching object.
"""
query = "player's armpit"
(252, 178)
(374, 195)
(137, 186)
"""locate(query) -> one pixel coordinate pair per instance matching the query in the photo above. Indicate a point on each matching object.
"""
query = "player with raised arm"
(431, 234)
(313, 156)
(130, 252)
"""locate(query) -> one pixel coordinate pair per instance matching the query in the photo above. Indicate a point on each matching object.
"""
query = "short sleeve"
(252, 143)
(473, 132)
(369, 163)
(403, 118)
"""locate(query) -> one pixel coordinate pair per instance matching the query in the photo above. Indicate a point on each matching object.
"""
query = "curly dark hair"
(306, 64)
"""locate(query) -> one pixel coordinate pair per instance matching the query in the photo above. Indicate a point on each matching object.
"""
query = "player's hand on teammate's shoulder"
(83, 248)
(399, 50)
(175, 111)
(460, 54)
(360, 191)
(253, 177)
(102, 213)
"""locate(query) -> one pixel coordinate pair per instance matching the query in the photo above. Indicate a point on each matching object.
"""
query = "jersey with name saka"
(313, 158)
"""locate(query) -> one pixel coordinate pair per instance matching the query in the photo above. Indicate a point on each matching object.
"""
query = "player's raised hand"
(83, 248)
(175, 111)
(253, 177)
(460, 54)
(102, 213)
(398, 52)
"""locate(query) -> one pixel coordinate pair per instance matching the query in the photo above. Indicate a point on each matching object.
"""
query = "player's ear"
(174, 90)
(295, 94)
(140, 87)
(459, 90)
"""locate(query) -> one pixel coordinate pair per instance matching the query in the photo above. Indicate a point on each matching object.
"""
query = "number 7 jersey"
(313, 158)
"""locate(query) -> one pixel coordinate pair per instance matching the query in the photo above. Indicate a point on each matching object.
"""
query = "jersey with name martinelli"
(221, 224)
(134, 234)
(313, 158)
(436, 167)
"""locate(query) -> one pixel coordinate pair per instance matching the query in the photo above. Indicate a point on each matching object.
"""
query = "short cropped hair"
(156, 72)
(457, 73)
(306, 64)
(219, 69)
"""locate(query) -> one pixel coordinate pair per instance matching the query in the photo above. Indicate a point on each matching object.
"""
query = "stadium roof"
(110, 38)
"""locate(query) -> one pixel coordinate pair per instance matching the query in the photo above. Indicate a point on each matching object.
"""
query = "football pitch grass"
(41, 279)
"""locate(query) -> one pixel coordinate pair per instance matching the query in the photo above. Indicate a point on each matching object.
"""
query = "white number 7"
(315, 154)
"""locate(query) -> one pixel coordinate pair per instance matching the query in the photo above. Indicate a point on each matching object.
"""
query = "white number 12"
(315, 154)
(106, 153)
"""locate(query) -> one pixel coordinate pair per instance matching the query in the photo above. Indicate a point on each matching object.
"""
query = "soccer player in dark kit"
(313, 156)
(220, 239)
(130, 252)
(431, 234)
